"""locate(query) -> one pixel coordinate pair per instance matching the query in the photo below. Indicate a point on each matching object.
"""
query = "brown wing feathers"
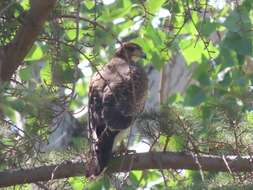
(117, 93)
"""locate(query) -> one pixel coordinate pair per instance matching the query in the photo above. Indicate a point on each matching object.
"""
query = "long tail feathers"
(104, 149)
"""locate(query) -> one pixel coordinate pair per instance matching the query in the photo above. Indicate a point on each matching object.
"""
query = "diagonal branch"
(12, 55)
(140, 161)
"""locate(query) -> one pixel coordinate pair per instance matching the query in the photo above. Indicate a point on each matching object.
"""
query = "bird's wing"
(124, 97)
(116, 94)
(102, 137)
(117, 105)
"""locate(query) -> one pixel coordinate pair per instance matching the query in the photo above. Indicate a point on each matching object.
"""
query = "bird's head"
(131, 52)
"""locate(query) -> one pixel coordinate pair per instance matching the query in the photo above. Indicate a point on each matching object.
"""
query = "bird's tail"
(104, 148)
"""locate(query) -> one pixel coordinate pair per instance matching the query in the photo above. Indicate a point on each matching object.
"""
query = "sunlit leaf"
(35, 53)
(77, 182)
(46, 73)
(194, 49)
(154, 5)
(25, 4)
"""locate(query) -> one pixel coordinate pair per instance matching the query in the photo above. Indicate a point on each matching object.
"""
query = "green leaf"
(35, 53)
(77, 182)
(8, 111)
(101, 183)
(46, 73)
(193, 51)
(175, 98)
(201, 73)
(81, 88)
(238, 43)
(238, 21)
(17, 105)
(152, 176)
(65, 73)
(232, 22)
(226, 58)
(176, 143)
(7, 141)
(71, 34)
(206, 27)
(135, 177)
(152, 33)
(154, 5)
(25, 73)
(194, 96)
(24, 186)
(157, 60)
(102, 38)
(25, 4)
(119, 9)
(89, 4)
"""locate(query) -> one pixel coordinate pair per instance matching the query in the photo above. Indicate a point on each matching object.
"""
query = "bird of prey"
(117, 94)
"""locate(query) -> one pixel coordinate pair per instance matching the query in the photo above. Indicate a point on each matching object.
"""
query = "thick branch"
(12, 55)
(141, 161)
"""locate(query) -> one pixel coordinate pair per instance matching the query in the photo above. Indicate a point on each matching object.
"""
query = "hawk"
(117, 94)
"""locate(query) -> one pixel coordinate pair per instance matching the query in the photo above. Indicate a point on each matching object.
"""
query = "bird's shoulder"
(116, 71)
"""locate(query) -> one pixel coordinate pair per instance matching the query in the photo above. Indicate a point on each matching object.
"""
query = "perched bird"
(117, 94)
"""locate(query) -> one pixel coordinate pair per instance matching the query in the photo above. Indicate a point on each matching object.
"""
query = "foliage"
(214, 116)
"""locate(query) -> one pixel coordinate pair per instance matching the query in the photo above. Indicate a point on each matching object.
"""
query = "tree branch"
(12, 55)
(140, 161)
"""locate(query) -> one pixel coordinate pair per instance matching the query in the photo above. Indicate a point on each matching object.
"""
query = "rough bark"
(13, 54)
(140, 161)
